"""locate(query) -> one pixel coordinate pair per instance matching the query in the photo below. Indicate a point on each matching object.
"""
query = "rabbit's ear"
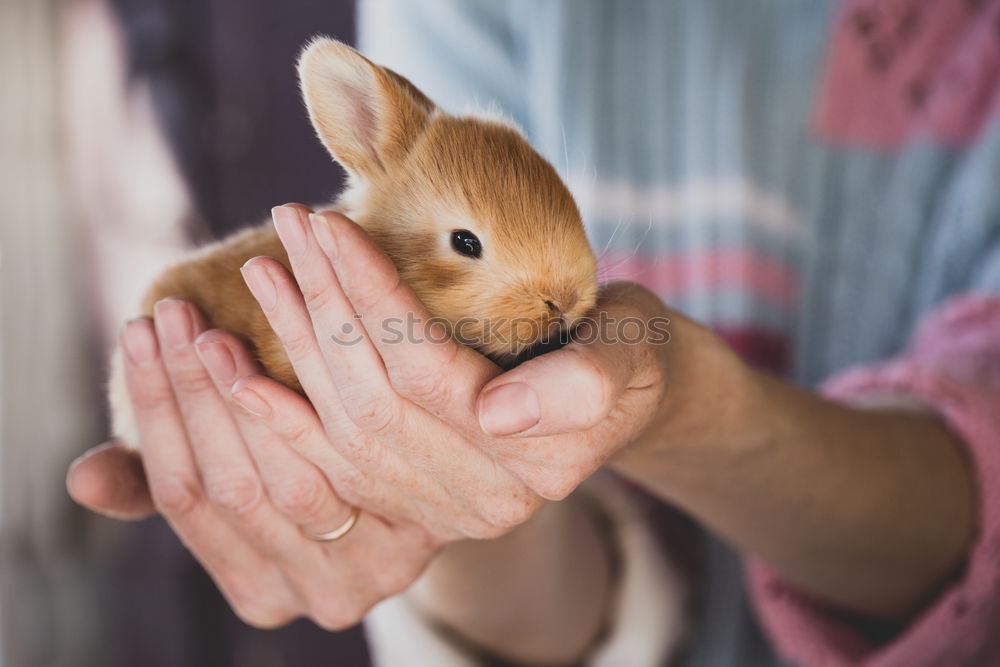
(367, 116)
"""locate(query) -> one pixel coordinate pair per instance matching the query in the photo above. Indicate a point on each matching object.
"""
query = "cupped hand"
(243, 502)
(427, 437)
(421, 428)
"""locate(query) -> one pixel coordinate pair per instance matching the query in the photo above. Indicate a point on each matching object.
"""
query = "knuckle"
(354, 497)
(554, 485)
(261, 617)
(238, 494)
(647, 367)
(507, 512)
(361, 450)
(353, 487)
(395, 580)
(175, 495)
(316, 298)
(380, 286)
(295, 434)
(298, 344)
(335, 614)
(376, 416)
(423, 388)
(303, 499)
(149, 398)
(191, 381)
(593, 385)
(265, 620)
(482, 529)
(259, 613)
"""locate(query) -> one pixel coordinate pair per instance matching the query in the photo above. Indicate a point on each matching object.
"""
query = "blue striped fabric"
(688, 131)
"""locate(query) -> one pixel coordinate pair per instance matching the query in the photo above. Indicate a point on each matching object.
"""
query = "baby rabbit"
(477, 223)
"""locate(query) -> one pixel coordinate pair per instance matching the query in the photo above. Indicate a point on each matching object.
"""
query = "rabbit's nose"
(559, 305)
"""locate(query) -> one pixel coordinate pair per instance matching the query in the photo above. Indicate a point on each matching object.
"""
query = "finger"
(359, 398)
(294, 424)
(340, 336)
(395, 489)
(280, 299)
(561, 440)
(217, 448)
(227, 471)
(295, 487)
(375, 561)
(231, 481)
(422, 362)
(165, 451)
(381, 435)
(564, 391)
(282, 302)
(438, 459)
(110, 480)
(240, 570)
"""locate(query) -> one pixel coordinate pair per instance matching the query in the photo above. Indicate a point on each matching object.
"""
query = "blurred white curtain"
(47, 402)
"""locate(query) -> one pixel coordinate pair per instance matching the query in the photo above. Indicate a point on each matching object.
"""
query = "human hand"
(239, 498)
(430, 430)
(494, 453)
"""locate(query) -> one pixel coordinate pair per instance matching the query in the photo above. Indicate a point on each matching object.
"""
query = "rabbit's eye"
(466, 243)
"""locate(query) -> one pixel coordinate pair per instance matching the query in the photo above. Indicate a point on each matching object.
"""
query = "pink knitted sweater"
(953, 364)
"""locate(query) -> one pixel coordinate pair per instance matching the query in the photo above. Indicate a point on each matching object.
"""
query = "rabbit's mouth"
(536, 350)
(509, 343)
(508, 359)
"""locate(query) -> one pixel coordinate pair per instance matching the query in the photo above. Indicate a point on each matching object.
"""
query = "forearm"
(867, 509)
(538, 595)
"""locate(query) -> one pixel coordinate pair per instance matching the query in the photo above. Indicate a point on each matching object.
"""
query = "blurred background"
(129, 129)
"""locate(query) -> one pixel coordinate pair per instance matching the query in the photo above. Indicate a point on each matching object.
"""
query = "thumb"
(568, 390)
(110, 480)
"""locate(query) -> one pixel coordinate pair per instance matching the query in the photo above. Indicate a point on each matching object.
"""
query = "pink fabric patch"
(950, 365)
(899, 69)
(716, 269)
(741, 269)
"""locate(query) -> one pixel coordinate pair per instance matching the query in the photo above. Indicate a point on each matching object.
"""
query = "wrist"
(715, 410)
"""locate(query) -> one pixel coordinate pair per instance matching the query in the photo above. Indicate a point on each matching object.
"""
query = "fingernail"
(173, 321)
(324, 236)
(261, 285)
(288, 223)
(509, 409)
(217, 359)
(139, 342)
(251, 401)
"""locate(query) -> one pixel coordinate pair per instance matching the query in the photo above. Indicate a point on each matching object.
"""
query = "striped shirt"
(810, 179)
